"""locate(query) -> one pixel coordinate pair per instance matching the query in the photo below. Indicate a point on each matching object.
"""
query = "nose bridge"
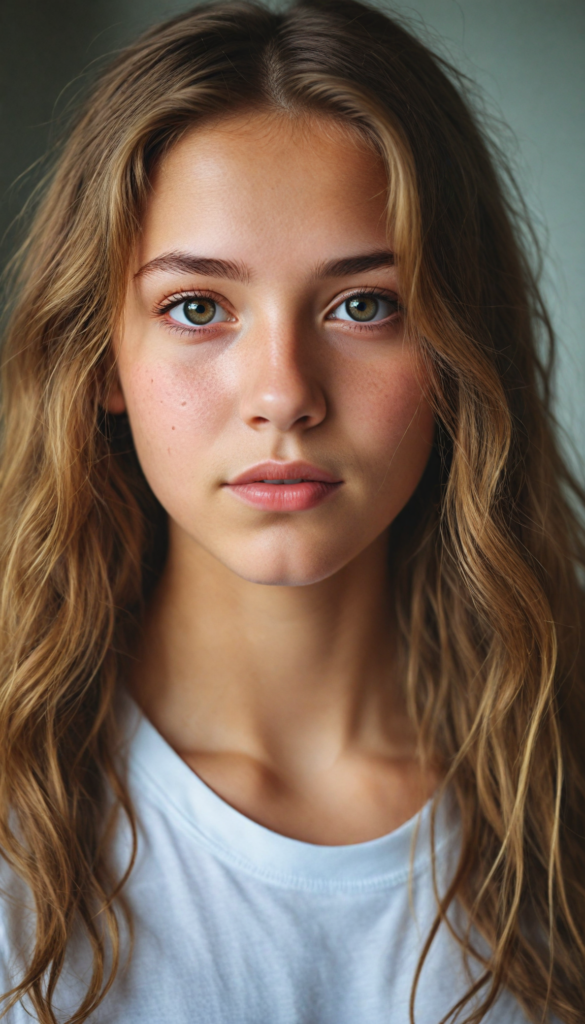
(282, 385)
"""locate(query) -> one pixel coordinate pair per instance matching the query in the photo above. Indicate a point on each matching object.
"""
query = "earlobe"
(115, 402)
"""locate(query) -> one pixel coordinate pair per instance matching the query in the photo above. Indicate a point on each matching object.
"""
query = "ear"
(115, 401)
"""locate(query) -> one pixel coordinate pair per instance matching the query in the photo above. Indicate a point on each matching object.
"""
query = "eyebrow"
(188, 263)
(356, 264)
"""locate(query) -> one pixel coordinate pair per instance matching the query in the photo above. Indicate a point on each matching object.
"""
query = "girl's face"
(262, 325)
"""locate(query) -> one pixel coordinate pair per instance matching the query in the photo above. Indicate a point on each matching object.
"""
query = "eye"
(365, 309)
(198, 311)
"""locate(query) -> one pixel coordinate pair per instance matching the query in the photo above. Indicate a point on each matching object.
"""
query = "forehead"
(267, 187)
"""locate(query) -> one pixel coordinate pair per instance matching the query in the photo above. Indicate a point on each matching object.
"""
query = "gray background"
(528, 56)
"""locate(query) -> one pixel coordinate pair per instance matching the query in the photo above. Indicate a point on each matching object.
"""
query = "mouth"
(284, 486)
(284, 473)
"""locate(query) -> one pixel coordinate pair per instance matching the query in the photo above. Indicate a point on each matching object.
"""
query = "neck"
(278, 673)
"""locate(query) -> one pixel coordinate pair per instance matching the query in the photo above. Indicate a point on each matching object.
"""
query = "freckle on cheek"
(178, 388)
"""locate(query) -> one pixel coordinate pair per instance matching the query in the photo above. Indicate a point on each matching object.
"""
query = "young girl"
(292, 692)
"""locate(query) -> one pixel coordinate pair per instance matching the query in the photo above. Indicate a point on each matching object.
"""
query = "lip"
(283, 471)
(315, 486)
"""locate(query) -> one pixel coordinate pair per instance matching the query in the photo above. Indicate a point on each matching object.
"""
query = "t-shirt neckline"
(158, 773)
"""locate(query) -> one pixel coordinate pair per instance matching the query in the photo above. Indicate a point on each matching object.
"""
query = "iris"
(199, 311)
(362, 307)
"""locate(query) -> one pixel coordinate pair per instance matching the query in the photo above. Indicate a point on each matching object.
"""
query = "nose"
(281, 383)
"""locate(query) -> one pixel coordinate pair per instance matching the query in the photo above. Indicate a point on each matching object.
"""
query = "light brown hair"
(485, 555)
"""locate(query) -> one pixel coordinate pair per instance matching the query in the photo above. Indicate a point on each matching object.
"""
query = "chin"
(283, 569)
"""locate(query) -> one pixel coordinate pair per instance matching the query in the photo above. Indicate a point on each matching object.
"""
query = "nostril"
(285, 406)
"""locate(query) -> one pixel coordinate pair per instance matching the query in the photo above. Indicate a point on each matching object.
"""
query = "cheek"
(391, 415)
(175, 414)
(392, 431)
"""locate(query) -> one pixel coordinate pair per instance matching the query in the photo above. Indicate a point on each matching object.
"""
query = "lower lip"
(284, 497)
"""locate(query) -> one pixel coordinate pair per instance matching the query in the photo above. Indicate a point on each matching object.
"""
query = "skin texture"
(266, 659)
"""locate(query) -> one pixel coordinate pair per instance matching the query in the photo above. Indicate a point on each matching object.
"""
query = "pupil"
(199, 311)
(362, 307)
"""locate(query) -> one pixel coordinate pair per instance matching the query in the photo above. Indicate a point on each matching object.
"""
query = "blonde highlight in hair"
(485, 556)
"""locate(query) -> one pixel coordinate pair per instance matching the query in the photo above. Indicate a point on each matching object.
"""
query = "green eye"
(366, 308)
(362, 307)
(199, 311)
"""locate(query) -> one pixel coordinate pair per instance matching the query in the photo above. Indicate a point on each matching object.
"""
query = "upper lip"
(284, 471)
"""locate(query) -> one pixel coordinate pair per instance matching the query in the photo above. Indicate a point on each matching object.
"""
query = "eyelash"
(377, 293)
(175, 300)
(179, 297)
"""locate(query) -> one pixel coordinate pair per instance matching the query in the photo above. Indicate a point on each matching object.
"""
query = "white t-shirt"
(236, 924)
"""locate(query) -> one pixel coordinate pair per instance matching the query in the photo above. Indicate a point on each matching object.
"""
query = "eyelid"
(376, 291)
(176, 298)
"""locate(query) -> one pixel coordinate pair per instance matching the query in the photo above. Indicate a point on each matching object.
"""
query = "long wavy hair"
(486, 554)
